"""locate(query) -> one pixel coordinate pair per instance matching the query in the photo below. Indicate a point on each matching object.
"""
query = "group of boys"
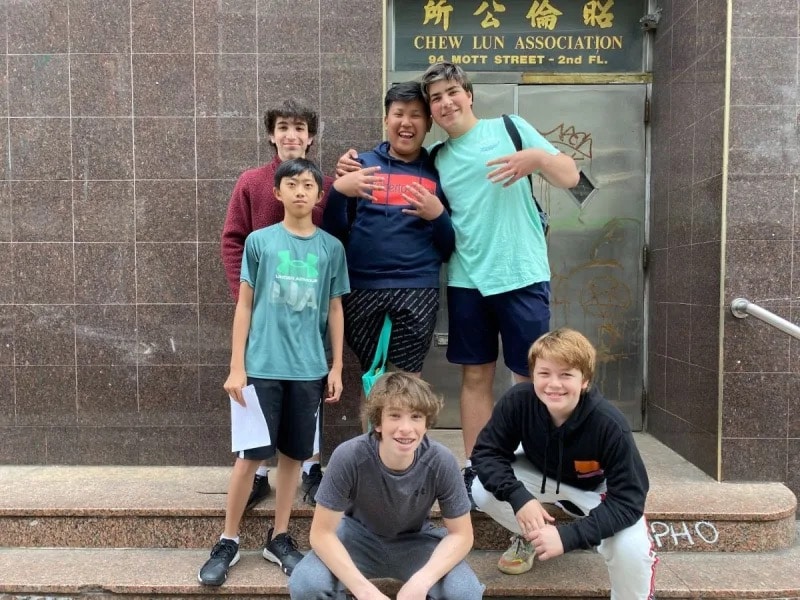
(401, 215)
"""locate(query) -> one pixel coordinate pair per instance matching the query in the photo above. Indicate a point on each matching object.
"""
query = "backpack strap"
(513, 133)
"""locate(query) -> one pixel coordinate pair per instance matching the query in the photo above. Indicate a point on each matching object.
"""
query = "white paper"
(248, 425)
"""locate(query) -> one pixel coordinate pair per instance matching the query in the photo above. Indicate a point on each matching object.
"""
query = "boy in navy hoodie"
(559, 441)
(397, 231)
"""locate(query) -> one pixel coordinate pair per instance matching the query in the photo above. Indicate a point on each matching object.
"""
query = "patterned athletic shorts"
(413, 313)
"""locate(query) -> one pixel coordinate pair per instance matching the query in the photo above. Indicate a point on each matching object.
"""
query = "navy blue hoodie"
(386, 248)
(593, 445)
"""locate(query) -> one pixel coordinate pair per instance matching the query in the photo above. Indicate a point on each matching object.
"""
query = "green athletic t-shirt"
(500, 245)
(293, 279)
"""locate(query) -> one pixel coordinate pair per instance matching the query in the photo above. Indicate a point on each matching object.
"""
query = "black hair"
(295, 167)
(405, 92)
(292, 109)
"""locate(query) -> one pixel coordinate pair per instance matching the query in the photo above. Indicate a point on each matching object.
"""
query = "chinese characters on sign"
(529, 35)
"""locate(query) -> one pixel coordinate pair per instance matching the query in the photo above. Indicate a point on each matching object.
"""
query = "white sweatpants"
(628, 554)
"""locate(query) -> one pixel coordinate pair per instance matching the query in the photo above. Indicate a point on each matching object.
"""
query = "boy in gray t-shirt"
(371, 519)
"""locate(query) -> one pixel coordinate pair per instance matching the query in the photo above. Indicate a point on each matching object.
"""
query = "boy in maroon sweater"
(291, 127)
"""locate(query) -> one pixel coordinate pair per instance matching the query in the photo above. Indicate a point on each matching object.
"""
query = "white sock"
(225, 537)
(307, 466)
(262, 470)
(468, 463)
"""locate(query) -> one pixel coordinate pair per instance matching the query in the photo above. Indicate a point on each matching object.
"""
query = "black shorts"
(413, 313)
(290, 409)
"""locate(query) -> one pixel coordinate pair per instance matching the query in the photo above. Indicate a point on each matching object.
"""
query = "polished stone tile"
(679, 332)
(683, 99)
(681, 163)
(92, 445)
(774, 123)
(107, 397)
(4, 155)
(212, 285)
(273, 85)
(753, 346)
(162, 26)
(793, 411)
(352, 129)
(100, 85)
(212, 206)
(168, 397)
(216, 323)
(705, 276)
(167, 334)
(226, 146)
(165, 148)
(38, 86)
(678, 281)
(751, 20)
(166, 210)
(226, 85)
(7, 417)
(346, 93)
(705, 328)
(745, 275)
(43, 273)
(710, 70)
(23, 446)
(44, 335)
(793, 466)
(658, 275)
(105, 334)
(711, 27)
(224, 26)
(283, 23)
(104, 211)
(764, 71)
(40, 148)
(657, 328)
(102, 148)
(341, 33)
(708, 145)
(45, 395)
(657, 379)
(684, 42)
(7, 286)
(680, 216)
(7, 336)
(760, 207)
(163, 85)
(679, 386)
(166, 273)
(42, 211)
(105, 273)
(754, 459)
(160, 445)
(99, 26)
(707, 210)
(37, 27)
(751, 407)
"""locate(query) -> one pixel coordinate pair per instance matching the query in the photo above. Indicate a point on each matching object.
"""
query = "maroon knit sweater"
(253, 206)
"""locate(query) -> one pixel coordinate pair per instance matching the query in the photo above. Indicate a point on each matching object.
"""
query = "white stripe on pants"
(628, 553)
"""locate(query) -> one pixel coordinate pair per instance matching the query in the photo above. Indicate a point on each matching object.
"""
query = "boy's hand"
(334, 390)
(360, 183)
(547, 542)
(347, 163)
(413, 590)
(236, 380)
(515, 166)
(423, 204)
(532, 517)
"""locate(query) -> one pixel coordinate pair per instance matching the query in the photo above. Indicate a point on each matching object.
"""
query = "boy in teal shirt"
(292, 278)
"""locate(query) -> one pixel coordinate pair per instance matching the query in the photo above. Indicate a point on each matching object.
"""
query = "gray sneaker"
(282, 550)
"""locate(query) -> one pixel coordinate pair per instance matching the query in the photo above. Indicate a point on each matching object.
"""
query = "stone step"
(166, 574)
(183, 507)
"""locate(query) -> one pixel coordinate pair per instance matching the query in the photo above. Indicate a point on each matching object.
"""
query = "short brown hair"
(444, 71)
(401, 390)
(566, 346)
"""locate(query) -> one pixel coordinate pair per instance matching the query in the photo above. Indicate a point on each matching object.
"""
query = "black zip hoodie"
(593, 445)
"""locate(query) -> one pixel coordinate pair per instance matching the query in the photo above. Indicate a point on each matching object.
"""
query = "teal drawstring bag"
(378, 367)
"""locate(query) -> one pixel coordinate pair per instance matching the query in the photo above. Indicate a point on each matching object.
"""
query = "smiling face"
(558, 386)
(290, 137)
(298, 194)
(451, 106)
(401, 431)
(406, 125)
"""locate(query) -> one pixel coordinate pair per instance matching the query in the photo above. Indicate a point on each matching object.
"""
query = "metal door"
(597, 233)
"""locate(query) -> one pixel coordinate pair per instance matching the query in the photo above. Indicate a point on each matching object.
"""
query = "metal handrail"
(741, 307)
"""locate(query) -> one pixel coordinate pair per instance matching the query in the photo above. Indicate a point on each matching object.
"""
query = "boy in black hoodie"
(559, 441)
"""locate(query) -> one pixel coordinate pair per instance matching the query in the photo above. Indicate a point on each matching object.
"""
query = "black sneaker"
(260, 491)
(282, 549)
(310, 484)
(224, 555)
(469, 477)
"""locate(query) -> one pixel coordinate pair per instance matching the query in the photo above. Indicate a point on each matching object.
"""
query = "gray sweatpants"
(628, 554)
(379, 557)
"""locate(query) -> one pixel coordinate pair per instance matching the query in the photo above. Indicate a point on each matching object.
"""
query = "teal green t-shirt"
(500, 245)
(293, 279)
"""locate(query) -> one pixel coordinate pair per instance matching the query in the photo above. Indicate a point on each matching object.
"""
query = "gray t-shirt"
(390, 503)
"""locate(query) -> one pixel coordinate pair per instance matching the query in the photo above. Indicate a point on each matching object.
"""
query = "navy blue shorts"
(290, 409)
(519, 317)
